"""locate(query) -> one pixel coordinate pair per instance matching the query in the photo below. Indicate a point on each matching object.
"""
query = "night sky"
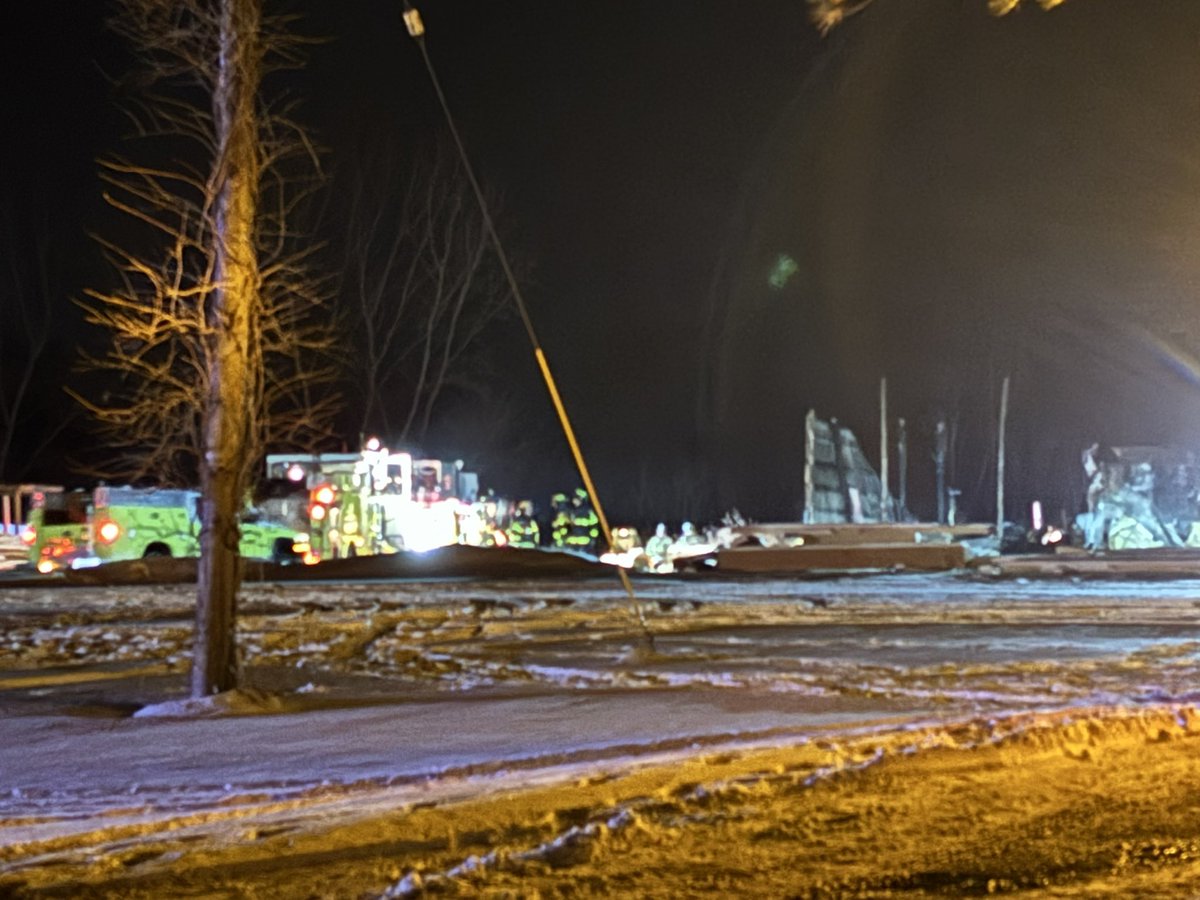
(951, 197)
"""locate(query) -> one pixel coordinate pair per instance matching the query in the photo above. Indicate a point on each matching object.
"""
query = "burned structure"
(839, 483)
(1140, 498)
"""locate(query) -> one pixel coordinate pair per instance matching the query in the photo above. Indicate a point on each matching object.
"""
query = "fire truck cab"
(376, 501)
(59, 529)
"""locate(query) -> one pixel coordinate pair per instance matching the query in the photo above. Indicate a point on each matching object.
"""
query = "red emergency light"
(320, 498)
(107, 531)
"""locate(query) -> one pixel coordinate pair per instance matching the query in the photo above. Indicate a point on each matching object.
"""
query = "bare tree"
(421, 282)
(828, 14)
(217, 338)
(25, 338)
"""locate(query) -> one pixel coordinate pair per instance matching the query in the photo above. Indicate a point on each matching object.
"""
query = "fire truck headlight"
(46, 566)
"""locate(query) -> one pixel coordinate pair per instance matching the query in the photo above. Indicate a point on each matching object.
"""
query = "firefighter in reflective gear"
(560, 525)
(658, 548)
(489, 513)
(523, 530)
(352, 539)
(690, 535)
(584, 531)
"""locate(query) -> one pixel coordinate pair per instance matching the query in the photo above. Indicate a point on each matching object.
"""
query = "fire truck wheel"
(283, 551)
(156, 550)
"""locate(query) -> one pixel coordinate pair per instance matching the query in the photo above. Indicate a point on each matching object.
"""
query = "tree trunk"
(232, 315)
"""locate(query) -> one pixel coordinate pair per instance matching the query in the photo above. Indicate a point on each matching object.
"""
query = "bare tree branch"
(24, 341)
(160, 316)
(421, 278)
(828, 14)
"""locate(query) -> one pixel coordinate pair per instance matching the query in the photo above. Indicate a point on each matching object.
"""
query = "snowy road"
(458, 674)
(381, 685)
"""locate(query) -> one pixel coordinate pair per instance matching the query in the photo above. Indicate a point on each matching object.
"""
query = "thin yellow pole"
(416, 29)
(583, 472)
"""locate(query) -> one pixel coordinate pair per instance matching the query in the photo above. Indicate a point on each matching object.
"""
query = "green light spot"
(783, 270)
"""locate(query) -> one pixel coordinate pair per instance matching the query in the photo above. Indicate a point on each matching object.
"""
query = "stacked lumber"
(839, 534)
(1167, 563)
(12, 551)
(780, 548)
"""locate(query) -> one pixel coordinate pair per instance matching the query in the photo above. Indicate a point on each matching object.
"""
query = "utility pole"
(939, 466)
(902, 462)
(416, 30)
(1000, 461)
(884, 493)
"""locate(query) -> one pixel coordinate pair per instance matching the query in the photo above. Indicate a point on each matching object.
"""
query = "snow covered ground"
(364, 699)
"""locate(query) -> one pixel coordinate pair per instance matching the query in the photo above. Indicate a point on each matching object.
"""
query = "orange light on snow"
(108, 531)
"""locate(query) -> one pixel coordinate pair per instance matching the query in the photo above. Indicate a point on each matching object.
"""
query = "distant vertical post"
(810, 460)
(902, 463)
(1000, 460)
(884, 493)
(939, 467)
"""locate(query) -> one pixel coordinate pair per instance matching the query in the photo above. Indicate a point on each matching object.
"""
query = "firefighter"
(584, 531)
(352, 540)
(523, 530)
(560, 524)
(489, 512)
(658, 548)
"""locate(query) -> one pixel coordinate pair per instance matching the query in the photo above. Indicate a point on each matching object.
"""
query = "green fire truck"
(134, 523)
(58, 532)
